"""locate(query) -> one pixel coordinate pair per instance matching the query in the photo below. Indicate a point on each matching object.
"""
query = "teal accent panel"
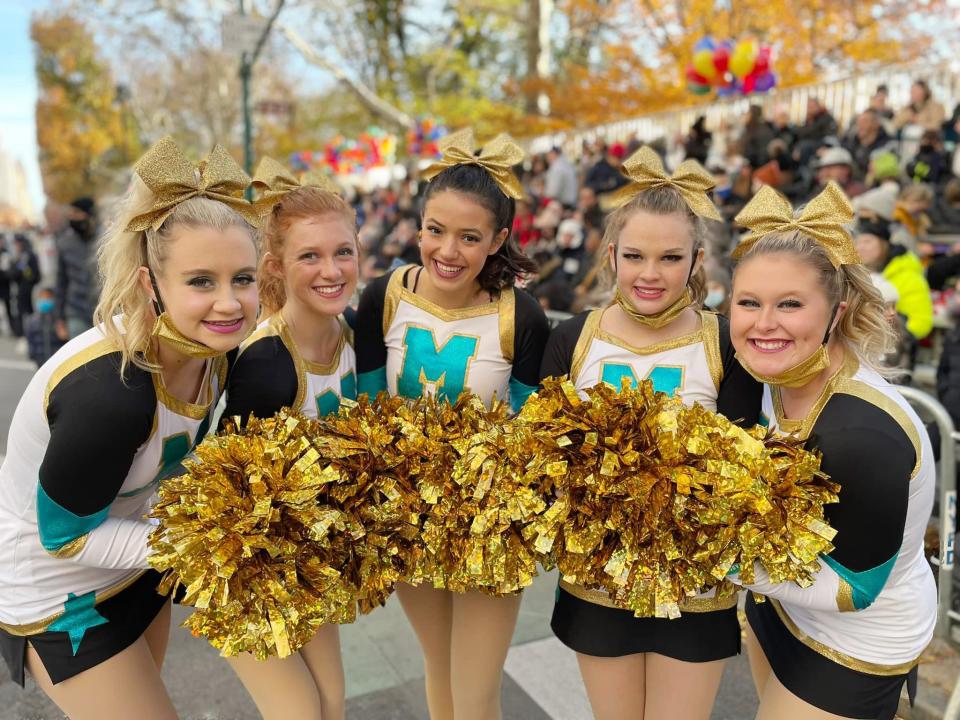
(424, 362)
(348, 385)
(373, 382)
(614, 373)
(328, 402)
(666, 379)
(866, 585)
(519, 392)
(58, 526)
(764, 421)
(79, 615)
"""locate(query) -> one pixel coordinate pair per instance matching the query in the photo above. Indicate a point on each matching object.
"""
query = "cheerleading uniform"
(270, 373)
(698, 368)
(86, 451)
(847, 643)
(411, 347)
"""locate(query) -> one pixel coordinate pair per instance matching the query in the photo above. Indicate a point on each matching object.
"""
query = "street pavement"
(384, 670)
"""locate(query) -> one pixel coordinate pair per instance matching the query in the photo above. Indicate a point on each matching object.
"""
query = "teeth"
(334, 290)
(770, 344)
(647, 292)
(448, 268)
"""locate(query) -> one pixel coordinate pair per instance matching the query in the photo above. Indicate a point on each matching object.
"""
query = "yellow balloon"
(743, 59)
(703, 64)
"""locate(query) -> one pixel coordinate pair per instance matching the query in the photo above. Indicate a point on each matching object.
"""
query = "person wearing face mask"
(653, 330)
(40, 329)
(717, 298)
(104, 420)
(300, 356)
(456, 323)
(77, 289)
(807, 321)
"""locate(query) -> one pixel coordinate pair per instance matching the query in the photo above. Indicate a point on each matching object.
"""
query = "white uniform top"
(879, 617)
(84, 456)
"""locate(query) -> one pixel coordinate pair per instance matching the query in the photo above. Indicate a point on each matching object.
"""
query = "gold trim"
(838, 657)
(710, 327)
(446, 314)
(71, 548)
(346, 330)
(690, 605)
(582, 348)
(845, 597)
(663, 346)
(38, 626)
(194, 411)
(391, 298)
(268, 328)
(508, 322)
(76, 361)
(843, 382)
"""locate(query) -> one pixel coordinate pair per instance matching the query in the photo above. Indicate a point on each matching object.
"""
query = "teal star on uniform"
(79, 615)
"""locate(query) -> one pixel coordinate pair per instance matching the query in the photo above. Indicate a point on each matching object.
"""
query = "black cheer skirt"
(594, 629)
(820, 681)
(101, 631)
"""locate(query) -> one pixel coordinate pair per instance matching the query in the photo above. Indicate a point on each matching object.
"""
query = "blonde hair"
(917, 191)
(863, 327)
(660, 201)
(299, 204)
(122, 253)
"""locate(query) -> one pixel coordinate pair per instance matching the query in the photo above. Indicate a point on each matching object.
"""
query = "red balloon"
(762, 63)
(695, 77)
(721, 59)
(749, 83)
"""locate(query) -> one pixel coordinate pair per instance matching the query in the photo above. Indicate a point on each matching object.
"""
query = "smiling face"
(652, 260)
(207, 284)
(457, 238)
(319, 265)
(779, 312)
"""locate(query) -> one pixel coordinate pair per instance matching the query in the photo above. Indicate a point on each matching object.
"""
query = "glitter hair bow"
(272, 180)
(173, 179)
(497, 157)
(823, 219)
(645, 169)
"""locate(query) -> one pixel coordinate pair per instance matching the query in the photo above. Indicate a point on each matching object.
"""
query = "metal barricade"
(946, 615)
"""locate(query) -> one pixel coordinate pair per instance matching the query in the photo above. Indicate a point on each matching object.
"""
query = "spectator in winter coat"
(697, 145)
(819, 125)
(561, 179)
(24, 277)
(77, 290)
(837, 164)
(605, 175)
(868, 137)
(756, 137)
(945, 214)
(902, 269)
(40, 329)
(922, 110)
(930, 164)
(911, 222)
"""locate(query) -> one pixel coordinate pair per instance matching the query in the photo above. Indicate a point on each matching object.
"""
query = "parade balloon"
(762, 63)
(749, 84)
(721, 58)
(696, 78)
(698, 89)
(704, 44)
(766, 81)
(703, 62)
(743, 59)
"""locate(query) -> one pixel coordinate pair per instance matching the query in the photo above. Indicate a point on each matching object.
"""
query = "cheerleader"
(456, 323)
(807, 322)
(654, 667)
(104, 420)
(301, 356)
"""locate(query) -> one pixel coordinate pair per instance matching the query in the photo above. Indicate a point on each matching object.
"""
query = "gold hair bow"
(823, 219)
(646, 171)
(497, 157)
(273, 181)
(173, 179)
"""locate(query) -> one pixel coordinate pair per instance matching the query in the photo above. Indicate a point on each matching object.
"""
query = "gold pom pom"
(656, 501)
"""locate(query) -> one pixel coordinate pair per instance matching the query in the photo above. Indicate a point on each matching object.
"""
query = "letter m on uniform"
(428, 368)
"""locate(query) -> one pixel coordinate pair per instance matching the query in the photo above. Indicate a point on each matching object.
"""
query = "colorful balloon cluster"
(423, 137)
(741, 68)
(345, 156)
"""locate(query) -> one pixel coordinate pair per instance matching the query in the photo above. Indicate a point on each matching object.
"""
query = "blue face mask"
(45, 305)
(714, 298)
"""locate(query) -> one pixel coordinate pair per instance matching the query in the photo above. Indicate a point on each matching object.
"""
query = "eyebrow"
(202, 271)
(437, 222)
(671, 251)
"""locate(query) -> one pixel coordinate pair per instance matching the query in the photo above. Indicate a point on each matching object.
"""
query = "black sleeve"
(558, 355)
(97, 424)
(530, 338)
(263, 380)
(740, 396)
(941, 270)
(368, 339)
(872, 459)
